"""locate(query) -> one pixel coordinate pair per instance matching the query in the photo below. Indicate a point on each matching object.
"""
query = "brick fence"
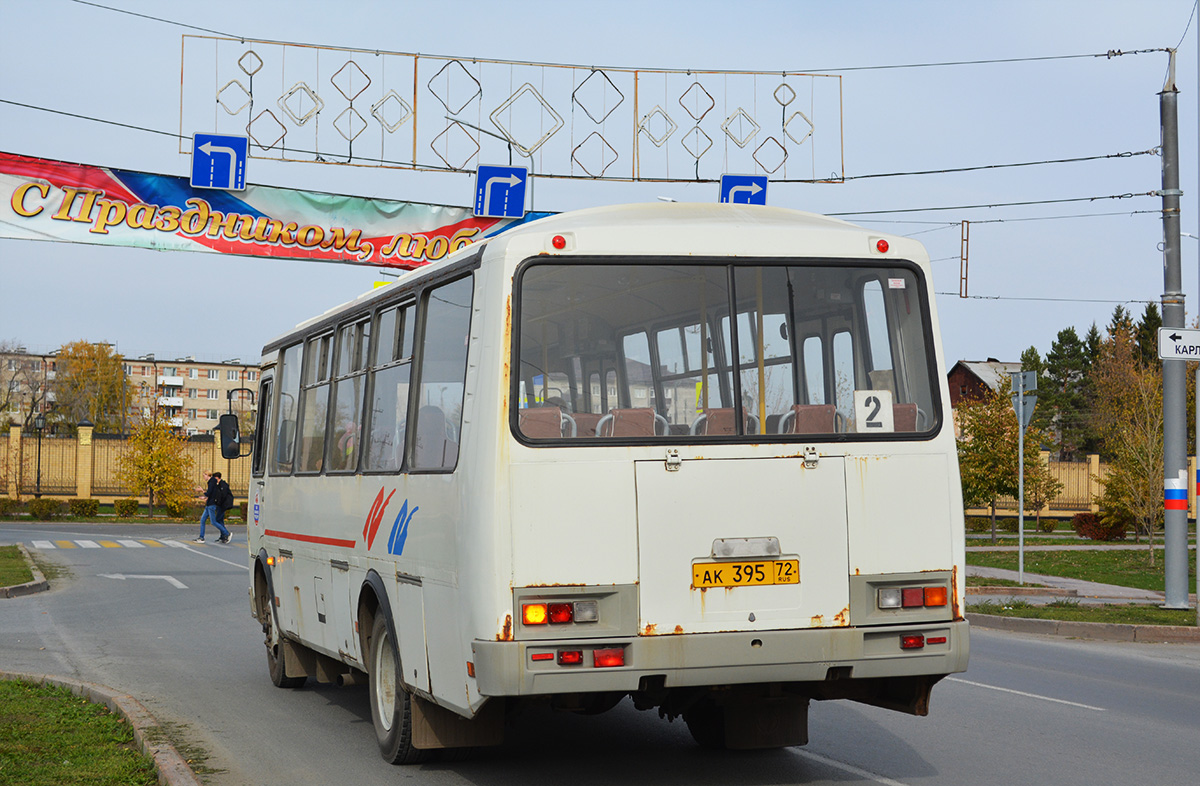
(86, 466)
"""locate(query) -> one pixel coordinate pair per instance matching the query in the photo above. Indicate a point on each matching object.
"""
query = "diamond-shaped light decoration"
(345, 78)
(595, 150)
(697, 100)
(391, 111)
(654, 120)
(233, 93)
(696, 142)
(265, 126)
(300, 103)
(798, 124)
(250, 63)
(770, 155)
(784, 94)
(455, 82)
(350, 124)
(740, 127)
(528, 144)
(458, 138)
(592, 94)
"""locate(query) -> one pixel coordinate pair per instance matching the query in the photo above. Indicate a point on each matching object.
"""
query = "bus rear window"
(825, 350)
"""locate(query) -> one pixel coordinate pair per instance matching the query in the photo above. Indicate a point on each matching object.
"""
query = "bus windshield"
(822, 349)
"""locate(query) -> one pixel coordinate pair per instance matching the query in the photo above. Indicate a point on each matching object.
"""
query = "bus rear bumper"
(522, 668)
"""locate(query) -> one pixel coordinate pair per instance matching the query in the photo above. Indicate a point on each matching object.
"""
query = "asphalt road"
(1030, 710)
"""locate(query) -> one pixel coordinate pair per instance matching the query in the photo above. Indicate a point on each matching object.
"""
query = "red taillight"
(914, 641)
(608, 657)
(542, 656)
(561, 612)
(534, 614)
(936, 640)
(570, 657)
(912, 597)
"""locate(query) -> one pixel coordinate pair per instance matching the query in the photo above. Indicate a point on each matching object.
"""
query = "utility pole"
(1175, 557)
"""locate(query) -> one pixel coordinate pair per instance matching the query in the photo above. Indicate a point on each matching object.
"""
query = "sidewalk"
(1057, 587)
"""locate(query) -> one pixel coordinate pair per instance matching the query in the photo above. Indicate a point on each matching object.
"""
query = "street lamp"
(39, 423)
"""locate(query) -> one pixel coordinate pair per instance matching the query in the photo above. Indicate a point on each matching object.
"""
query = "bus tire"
(706, 721)
(276, 659)
(391, 704)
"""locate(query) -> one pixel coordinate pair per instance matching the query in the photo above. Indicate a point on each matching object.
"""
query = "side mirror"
(231, 436)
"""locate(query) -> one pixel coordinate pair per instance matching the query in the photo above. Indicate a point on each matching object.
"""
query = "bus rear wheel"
(391, 704)
(276, 660)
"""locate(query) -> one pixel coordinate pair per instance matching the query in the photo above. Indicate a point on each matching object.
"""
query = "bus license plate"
(745, 574)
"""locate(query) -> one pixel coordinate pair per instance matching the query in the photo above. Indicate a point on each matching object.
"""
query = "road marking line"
(66, 544)
(88, 544)
(218, 559)
(155, 543)
(850, 768)
(175, 544)
(1027, 695)
(43, 544)
(108, 544)
(132, 544)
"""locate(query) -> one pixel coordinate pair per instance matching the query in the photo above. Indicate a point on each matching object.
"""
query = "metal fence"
(48, 465)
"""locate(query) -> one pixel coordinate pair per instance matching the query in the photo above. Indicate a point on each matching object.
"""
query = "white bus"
(697, 455)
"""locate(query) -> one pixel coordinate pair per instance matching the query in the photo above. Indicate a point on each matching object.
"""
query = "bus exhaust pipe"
(350, 678)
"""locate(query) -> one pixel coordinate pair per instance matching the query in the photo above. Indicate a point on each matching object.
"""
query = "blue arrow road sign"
(500, 191)
(744, 189)
(219, 161)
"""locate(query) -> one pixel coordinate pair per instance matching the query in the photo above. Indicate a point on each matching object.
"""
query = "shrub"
(1047, 525)
(978, 524)
(1091, 526)
(182, 508)
(9, 507)
(42, 509)
(1007, 524)
(84, 508)
(126, 507)
(244, 508)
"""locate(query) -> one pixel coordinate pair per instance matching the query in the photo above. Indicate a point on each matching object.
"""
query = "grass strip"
(1126, 568)
(51, 737)
(1073, 611)
(13, 568)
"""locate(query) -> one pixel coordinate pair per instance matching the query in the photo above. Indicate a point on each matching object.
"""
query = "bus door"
(742, 544)
(258, 466)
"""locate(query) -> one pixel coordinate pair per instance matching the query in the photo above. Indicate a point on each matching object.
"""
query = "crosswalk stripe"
(108, 544)
(175, 544)
(154, 543)
(132, 544)
(66, 544)
(88, 544)
(43, 544)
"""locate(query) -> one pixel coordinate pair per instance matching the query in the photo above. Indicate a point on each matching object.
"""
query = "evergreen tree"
(1146, 335)
(1064, 394)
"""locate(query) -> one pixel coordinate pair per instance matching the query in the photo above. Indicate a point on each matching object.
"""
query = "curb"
(39, 583)
(172, 769)
(1103, 631)
(1016, 591)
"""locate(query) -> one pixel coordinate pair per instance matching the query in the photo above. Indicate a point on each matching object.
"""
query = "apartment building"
(192, 394)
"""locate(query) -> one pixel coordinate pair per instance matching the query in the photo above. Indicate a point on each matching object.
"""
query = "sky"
(1034, 269)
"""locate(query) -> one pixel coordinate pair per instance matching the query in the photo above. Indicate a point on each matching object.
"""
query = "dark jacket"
(211, 493)
(224, 499)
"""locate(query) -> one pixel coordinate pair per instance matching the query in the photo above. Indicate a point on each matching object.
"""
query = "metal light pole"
(1175, 551)
(39, 423)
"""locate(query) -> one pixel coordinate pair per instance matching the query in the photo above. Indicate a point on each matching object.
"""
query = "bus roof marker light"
(881, 246)
(559, 242)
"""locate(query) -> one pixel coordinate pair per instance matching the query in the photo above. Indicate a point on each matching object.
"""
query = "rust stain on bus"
(954, 594)
(818, 621)
(651, 629)
(506, 634)
(842, 618)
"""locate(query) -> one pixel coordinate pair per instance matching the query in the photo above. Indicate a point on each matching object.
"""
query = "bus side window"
(442, 374)
(389, 390)
(314, 405)
(288, 380)
(258, 462)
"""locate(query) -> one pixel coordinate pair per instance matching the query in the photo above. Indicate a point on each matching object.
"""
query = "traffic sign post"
(1024, 399)
(219, 161)
(500, 191)
(743, 189)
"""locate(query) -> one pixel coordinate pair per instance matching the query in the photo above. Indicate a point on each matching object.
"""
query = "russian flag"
(1175, 492)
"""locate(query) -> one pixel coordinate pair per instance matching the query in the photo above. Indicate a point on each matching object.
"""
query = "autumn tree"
(987, 454)
(156, 460)
(1129, 415)
(88, 385)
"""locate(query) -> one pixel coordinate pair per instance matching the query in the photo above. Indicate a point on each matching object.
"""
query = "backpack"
(224, 495)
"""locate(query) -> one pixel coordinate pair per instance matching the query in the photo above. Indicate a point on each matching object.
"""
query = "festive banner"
(75, 203)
